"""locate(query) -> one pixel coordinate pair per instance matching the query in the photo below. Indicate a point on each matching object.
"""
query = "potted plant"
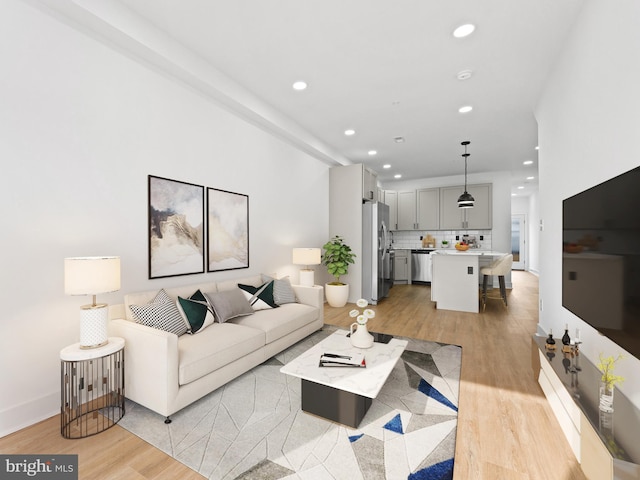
(445, 243)
(336, 257)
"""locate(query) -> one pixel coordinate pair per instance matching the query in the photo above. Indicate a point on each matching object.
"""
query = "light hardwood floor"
(506, 429)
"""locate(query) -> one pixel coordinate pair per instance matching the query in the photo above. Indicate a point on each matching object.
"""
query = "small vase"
(606, 397)
(361, 338)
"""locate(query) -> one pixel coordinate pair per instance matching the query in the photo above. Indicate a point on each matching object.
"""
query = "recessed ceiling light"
(349, 132)
(464, 30)
(372, 152)
(386, 166)
(399, 139)
(520, 187)
(397, 175)
(513, 194)
(464, 75)
(527, 162)
(299, 85)
(530, 178)
(537, 147)
(465, 109)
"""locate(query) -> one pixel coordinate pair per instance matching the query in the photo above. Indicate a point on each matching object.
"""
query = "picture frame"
(228, 230)
(175, 227)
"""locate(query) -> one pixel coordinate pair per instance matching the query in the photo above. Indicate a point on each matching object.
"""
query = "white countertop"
(471, 251)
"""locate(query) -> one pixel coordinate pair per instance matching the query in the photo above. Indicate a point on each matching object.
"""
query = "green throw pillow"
(196, 312)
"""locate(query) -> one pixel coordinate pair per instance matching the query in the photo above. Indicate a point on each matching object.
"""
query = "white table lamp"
(90, 276)
(306, 257)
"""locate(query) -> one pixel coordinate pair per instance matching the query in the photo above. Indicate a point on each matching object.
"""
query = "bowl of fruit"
(462, 247)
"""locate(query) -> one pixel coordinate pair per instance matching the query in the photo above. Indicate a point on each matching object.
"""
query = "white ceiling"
(387, 68)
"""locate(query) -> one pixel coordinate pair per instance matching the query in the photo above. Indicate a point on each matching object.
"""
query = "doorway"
(518, 234)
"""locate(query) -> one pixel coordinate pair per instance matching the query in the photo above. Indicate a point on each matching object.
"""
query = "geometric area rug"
(253, 427)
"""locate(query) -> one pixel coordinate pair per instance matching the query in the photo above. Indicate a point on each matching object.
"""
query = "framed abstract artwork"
(176, 228)
(228, 230)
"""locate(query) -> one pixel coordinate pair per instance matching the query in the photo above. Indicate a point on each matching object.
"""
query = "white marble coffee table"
(343, 394)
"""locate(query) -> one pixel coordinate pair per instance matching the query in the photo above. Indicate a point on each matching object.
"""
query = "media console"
(605, 444)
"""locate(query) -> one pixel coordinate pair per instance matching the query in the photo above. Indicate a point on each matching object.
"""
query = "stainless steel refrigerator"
(377, 256)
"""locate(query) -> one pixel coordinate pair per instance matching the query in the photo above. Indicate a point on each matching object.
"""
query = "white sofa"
(165, 372)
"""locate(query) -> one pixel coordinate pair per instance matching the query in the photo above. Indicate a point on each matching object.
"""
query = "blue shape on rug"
(439, 471)
(355, 438)
(431, 391)
(395, 424)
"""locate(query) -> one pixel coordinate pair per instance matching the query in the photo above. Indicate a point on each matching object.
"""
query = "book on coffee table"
(331, 359)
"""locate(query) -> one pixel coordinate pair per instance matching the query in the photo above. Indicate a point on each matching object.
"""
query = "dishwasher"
(421, 266)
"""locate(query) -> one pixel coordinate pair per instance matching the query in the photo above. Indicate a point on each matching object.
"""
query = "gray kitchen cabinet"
(418, 209)
(407, 210)
(369, 185)
(391, 199)
(477, 218)
(428, 209)
(402, 266)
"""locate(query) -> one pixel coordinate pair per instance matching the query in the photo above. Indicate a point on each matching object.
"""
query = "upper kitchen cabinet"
(476, 218)
(407, 210)
(369, 185)
(428, 205)
(391, 199)
(418, 209)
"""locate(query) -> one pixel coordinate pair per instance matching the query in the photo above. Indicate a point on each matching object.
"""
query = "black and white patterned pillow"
(282, 290)
(260, 298)
(162, 314)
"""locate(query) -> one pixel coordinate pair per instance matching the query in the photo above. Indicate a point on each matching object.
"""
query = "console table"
(605, 444)
(92, 388)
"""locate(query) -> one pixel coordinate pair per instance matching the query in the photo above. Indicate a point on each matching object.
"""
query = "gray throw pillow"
(282, 290)
(228, 304)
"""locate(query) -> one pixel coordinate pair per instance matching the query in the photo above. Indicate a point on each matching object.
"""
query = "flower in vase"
(606, 367)
(366, 314)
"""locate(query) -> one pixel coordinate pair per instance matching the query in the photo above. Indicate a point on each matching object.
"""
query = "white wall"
(82, 127)
(588, 132)
(534, 234)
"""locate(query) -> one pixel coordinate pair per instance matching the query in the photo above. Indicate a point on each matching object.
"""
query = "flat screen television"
(601, 258)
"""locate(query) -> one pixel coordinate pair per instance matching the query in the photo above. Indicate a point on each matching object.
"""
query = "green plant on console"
(337, 257)
(606, 367)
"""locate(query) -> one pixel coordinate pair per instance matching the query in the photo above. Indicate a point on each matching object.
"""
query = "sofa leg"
(167, 420)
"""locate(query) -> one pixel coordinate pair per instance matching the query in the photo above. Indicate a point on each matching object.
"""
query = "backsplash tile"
(411, 239)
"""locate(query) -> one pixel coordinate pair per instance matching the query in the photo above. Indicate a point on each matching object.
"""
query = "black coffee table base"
(334, 404)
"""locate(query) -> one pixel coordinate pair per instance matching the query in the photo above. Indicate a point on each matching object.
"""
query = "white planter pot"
(337, 295)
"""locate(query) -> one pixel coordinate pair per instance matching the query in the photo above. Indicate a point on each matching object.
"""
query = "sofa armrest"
(151, 364)
(313, 296)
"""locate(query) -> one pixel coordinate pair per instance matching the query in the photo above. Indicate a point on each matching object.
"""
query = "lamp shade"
(91, 275)
(306, 256)
(466, 200)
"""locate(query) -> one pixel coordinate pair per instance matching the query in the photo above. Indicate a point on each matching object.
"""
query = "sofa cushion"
(260, 298)
(215, 347)
(282, 290)
(276, 323)
(228, 304)
(161, 313)
(196, 312)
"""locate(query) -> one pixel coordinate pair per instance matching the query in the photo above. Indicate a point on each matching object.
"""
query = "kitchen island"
(456, 278)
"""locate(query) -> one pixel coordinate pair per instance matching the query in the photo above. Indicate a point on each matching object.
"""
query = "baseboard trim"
(26, 414)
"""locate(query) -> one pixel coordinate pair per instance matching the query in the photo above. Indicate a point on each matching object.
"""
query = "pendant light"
(465, 200)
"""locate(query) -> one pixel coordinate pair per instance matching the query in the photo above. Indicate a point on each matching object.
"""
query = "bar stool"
(500, 267)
